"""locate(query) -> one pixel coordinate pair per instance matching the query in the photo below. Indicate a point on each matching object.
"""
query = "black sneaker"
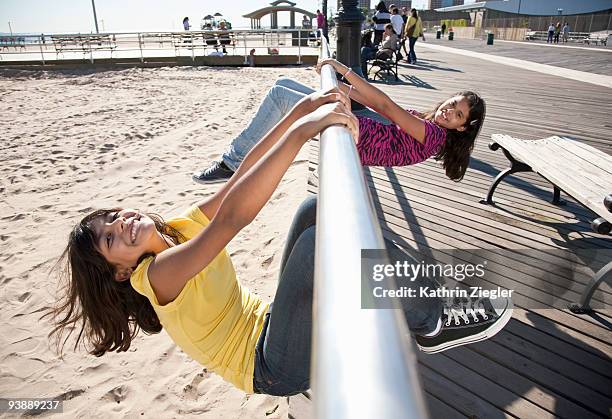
(467, 320)
(215, 173)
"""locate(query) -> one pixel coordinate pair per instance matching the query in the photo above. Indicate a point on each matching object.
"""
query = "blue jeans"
(367, 53)
(277, 103)
(282, 354)
(411, 54)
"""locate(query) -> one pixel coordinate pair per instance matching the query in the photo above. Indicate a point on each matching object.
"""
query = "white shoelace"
(463, 309)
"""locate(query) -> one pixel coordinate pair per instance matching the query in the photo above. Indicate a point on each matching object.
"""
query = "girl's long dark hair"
(109, 313)
(458, 147)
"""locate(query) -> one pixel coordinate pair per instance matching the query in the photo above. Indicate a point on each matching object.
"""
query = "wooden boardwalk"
(590, 58)
(547, 362)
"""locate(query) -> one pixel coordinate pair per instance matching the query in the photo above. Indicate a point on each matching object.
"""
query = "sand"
(80, 140)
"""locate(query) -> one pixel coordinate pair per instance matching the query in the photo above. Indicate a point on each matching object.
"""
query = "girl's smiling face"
(123, 236)
(453, 113)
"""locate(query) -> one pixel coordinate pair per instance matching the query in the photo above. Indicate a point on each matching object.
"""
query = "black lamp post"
(348, 29)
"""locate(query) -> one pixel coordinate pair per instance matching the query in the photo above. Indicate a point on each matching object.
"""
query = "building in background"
(436, 4)
(534, 15)
(401, 3)
(361, 4)
(365, 4)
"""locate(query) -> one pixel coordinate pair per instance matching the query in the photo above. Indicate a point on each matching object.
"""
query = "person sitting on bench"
(384, 52)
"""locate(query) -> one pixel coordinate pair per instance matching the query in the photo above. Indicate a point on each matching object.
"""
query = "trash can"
(451, 35)
(490, 38)
(438, 34)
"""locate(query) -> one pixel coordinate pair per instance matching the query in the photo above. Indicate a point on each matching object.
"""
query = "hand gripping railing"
(363, 365)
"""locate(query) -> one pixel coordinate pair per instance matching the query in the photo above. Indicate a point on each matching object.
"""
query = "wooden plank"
(546, 358)
(519, 384)
(553, 382)
(490, 387)
(601, 364)
(466, 402)
(439, 409)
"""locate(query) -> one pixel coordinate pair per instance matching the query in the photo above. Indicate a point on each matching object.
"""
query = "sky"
(67, 16)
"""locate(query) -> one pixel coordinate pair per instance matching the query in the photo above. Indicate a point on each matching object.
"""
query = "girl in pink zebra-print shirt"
(447, 132)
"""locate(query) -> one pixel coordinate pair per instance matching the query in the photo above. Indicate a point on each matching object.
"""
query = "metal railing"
(363, 365)
(143, 45)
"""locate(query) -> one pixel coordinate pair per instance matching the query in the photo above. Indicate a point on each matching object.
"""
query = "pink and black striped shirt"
(389, 145)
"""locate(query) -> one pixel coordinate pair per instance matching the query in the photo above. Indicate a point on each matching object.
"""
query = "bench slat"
(602, 160)
(589, 191)
(598, 179)
(597, 162)
(569, 163)
(587, 154)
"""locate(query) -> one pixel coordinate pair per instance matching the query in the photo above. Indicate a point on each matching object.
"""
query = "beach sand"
(81, 140)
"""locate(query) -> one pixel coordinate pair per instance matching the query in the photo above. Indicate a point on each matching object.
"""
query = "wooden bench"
(12, 41)
(160, 38)
(83, 43)
(596, 38)
(387, 67)
(579, 170)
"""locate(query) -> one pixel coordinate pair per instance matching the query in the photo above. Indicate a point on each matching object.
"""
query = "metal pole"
(375, 375)
(324, 12)
(140, 46)
(42, 55)
(10, 28)
(299, 46)
(348, 32)
(93, 6)
(245, 48)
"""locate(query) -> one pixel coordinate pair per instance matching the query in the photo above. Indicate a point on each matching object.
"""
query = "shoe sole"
(489, 333)
(208, 182)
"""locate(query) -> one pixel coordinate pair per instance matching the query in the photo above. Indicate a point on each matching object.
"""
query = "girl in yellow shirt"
(126, 270)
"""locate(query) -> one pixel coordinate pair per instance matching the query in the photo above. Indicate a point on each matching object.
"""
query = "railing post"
(246, 59)
(362, 360)
(140, 46)
(299, 46)
(192, 48)
(42, 55)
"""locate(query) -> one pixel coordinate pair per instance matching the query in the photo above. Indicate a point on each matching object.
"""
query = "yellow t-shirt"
(214, 319)
(418, 26)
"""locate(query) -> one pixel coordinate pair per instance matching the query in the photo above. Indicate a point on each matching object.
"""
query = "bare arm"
(209, 206)
(372, 97)
(172, 268)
